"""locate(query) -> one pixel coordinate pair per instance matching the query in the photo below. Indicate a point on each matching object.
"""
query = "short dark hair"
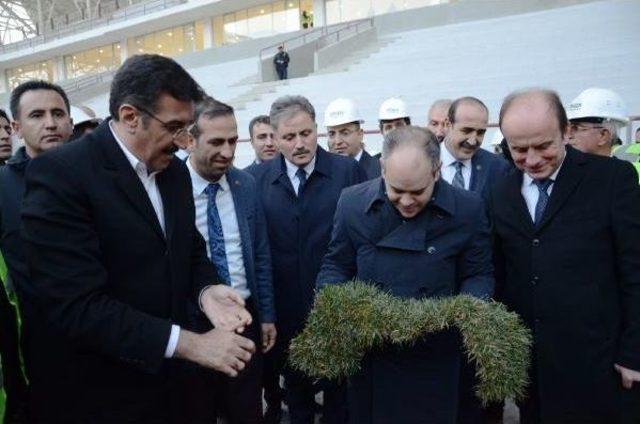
(381, 122)
(637, 130)
(143, 78)
(4, 115)
(553, 99)
(210, 108)
(260, 119)
(16, 94)
(419, 137)
(451, 115)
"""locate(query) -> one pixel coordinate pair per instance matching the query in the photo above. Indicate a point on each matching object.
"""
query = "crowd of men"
(157, 289)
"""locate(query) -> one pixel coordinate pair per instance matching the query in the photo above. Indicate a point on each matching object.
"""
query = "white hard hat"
(341, 111)
(598, 103)
(79, 116)
(392, 108)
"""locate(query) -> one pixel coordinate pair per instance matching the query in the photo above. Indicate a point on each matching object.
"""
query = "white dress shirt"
(531, 193)
(449, 167)
(292, 169)
(230, 228)
(359, 155)
(148, 181)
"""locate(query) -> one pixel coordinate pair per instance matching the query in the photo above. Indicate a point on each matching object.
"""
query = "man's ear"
(129, 116)
(15, 125)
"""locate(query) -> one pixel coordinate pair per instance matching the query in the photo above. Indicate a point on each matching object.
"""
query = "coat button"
(535, 243)
(535, 280)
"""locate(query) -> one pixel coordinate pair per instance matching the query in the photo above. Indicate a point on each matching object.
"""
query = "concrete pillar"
(4, 84)
(208, 33)
(124, 54)
(319, 13)
(58, 69)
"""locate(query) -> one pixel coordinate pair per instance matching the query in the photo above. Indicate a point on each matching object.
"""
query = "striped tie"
(458, 179)
(543, 198)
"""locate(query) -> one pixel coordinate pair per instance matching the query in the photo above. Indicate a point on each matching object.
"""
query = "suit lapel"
(169, 202)
(517, 202)
(568, 178)
(125, 177)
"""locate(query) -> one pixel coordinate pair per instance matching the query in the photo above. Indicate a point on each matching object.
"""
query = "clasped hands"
(223, 348)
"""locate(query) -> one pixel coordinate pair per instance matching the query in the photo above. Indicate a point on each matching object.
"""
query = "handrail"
(139, 9)
(80, 83)
(326, 40)
(314, 35)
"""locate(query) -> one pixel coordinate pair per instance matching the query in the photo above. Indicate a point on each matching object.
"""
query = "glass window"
(41, 70)
(93, 61)
(260, 22)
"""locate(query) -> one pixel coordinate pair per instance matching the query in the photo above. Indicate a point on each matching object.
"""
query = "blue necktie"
(458, 179)
(543, 198)
(216, 236)
(302, 178)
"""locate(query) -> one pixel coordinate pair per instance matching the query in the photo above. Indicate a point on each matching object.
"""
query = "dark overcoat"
(443, 251)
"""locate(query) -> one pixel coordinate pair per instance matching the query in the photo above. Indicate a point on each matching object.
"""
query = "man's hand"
(269, 334)
(628, 376)
(220, 350)
(225, 308)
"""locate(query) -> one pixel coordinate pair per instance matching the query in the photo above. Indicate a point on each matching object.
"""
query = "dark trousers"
(282, 72)
(470, 409)
(273, 392)
(300, 393)
(238, 400)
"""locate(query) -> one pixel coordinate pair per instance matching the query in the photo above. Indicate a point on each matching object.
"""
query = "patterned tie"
(543, 198)
(216, 237)
(458, 179)
(302, 177)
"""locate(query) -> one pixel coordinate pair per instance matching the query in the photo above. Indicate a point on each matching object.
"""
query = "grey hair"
(286, 106)
(440, 103)
(612, 127)
(419, 137)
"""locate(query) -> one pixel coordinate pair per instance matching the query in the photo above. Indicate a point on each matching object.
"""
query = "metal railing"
(81, 83)
(119, 15)
(315, 35)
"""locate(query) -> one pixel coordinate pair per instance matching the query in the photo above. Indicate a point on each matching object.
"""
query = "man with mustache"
(261, 135)
(117, 265)
(566, 228)
(231, 219)
(343, 122)
(300, 190)
(437, 118)
(41, 118)
(464, 163)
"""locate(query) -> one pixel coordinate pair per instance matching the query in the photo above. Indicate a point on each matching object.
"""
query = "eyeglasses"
(177, 130)
(582, 127)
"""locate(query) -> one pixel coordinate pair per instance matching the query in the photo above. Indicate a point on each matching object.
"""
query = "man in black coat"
(281, 62)
(567, 252)
(116, 263)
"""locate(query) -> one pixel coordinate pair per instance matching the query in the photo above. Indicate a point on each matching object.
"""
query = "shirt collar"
(441, 198)
(359, 155)
(292, 169)
(136, 163)
(200, 184)
(527, 180)
(448, 159)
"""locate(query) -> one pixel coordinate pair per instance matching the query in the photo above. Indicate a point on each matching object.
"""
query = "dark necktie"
(543, 198)
(458, 179)
(216, 236)
(302, 178)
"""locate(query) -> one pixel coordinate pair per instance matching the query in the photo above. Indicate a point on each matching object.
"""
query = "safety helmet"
(341, 111)
(80, 116)
(392, 108)
(598, 103)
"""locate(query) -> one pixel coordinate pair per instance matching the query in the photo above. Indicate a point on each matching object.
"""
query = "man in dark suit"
(116, 262)
(467, 166)
(40, 113)
(261, 135)
(566, 228)
(300, 189)
(343, 122)
(464, 163)
(230, 217)
(416, 237)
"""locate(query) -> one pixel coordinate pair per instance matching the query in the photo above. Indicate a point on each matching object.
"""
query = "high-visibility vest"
(630, 153)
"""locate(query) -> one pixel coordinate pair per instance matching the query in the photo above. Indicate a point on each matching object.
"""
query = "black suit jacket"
(108, 277)
(575, 280)
(370, 165)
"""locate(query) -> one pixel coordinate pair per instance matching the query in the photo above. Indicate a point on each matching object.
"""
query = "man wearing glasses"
(595, 117)
(118, 266)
